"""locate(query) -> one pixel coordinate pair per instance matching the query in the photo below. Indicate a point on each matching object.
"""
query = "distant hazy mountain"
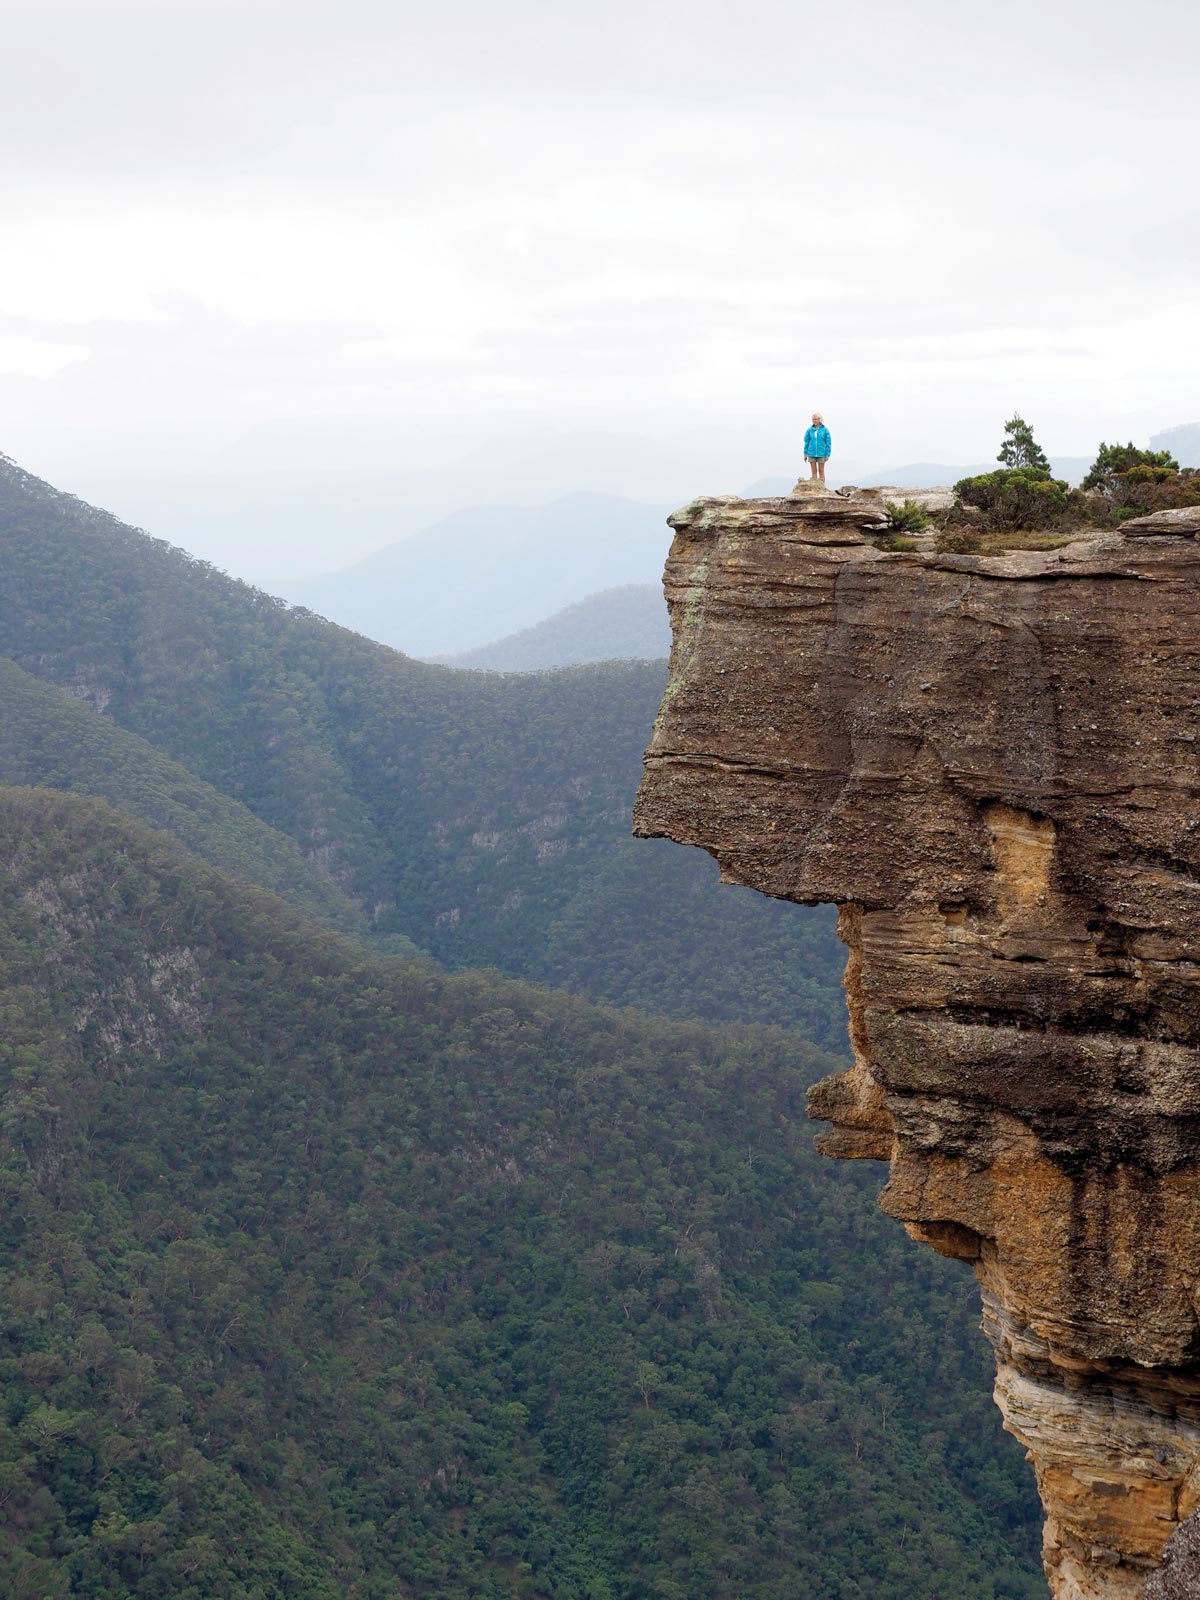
(485, 573)
(925, 474)
(626, 623)
(1182, 441)
(931, 474)
(922, 474)
(763, 487)
(296, 499)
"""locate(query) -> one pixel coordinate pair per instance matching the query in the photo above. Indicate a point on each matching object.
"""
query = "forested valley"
(484, 817)
(405, 1188)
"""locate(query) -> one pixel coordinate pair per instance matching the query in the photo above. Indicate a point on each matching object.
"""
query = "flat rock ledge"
(1181, 521)
(991, 765)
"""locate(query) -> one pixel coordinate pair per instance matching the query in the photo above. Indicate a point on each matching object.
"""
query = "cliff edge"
(992, 766)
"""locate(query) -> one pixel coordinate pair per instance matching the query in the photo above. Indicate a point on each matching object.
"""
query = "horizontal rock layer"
(991, 765)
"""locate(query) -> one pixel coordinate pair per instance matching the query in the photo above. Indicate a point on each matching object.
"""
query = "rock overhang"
(990, 764)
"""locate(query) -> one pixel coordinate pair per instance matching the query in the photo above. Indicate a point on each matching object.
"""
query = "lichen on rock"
(991, 765)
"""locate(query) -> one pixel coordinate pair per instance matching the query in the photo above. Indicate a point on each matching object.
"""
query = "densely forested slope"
(47, 740)
(484, 817)
(625, 623)
(329, 1275)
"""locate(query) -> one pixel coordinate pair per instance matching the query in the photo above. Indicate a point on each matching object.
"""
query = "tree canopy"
(1112, 460)
(327, 1274)
(1020, 449)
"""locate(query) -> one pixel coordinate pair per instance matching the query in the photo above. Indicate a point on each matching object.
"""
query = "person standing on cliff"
(817, 446)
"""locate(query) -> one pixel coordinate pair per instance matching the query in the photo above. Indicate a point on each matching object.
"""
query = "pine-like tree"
(1021, 449)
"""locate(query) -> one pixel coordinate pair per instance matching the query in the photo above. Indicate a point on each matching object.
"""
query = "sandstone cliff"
(992, 765)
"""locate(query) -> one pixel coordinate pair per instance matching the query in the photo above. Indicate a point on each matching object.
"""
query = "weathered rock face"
(1179, 1576)
(993, 767)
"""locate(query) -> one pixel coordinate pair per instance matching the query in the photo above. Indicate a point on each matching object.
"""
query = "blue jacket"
(817, 443)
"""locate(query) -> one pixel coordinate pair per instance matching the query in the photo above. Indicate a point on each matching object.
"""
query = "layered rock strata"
(992, 766)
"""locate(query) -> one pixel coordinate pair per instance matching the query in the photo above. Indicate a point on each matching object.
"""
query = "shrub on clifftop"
(1115, 461)
(1125, 481)
(907, 518)
(1021, 497)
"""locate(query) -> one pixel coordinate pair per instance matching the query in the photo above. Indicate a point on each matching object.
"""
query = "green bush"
(907, 518)
(1019, 497)
(960, 541)
(1144, 488)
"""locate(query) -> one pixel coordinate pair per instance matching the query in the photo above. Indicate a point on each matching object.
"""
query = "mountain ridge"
(484, 818)
(484, 572)
(625, 623)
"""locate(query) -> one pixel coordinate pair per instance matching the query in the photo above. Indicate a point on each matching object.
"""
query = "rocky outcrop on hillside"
(992, 766)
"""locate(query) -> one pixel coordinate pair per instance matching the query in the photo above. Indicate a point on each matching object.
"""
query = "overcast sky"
(255, 235)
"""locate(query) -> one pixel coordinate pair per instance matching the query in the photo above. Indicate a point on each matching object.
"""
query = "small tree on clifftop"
(1114, 460)
(1021, 449)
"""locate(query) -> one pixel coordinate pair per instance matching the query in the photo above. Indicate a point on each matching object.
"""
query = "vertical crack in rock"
(990, 766)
